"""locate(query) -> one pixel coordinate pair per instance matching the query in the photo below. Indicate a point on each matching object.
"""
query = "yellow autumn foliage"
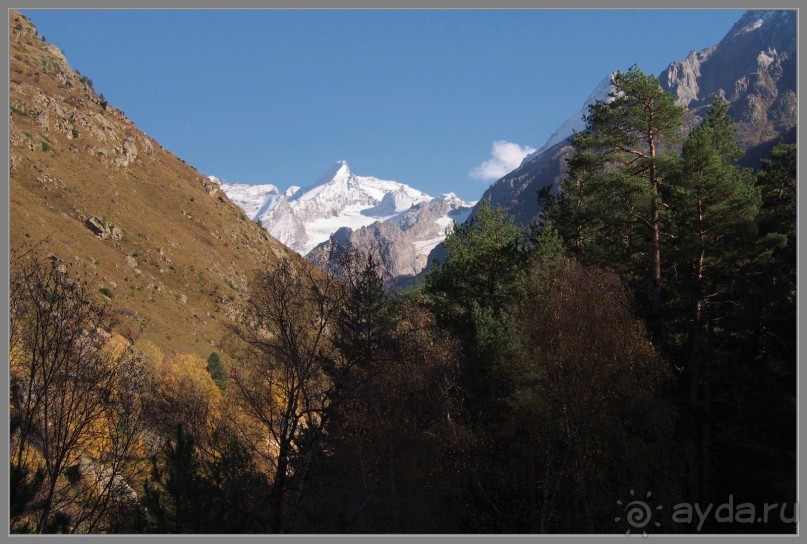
(182, 389)
(17, 357)
(185, 376)
(115, 346)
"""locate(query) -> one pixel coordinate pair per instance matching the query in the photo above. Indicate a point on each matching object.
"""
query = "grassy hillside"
(146, 230)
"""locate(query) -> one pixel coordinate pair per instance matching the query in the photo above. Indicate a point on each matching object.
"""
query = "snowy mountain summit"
(339, 200)
(249, 198)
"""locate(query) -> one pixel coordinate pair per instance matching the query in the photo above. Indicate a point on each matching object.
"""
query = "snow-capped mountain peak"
(754, 19)
(452, 198)
(407, 237)
(337, 172)
(342, 206)
(303, 218)
(250, 198)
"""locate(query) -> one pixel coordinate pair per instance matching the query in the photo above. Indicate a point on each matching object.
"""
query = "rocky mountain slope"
(753, 68)
(171, 252)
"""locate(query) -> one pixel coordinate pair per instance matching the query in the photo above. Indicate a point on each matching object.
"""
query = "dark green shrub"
(216, 369)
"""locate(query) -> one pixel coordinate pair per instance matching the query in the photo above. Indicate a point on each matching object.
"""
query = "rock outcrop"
(103, 231)
(753, 69)
(403, 243)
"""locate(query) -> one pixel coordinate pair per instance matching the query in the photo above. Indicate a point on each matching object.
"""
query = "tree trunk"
(654, 321)
(706, 441)
(655, 288)
(278, 490)
(486, 500)
(546, 507)
(531, 479)
(47, 505)
(699, 394)
(306, 472)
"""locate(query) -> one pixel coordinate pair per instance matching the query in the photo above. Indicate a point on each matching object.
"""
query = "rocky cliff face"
(403, 242)
(753, 68)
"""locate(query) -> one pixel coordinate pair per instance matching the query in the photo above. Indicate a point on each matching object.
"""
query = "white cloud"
(507, 156)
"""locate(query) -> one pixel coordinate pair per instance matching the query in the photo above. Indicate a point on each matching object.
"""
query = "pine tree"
(216, 370)
(762, 429)
(777, 229)
(484, 257)
(714, 206)
(611, 209)
(471, 290)
(363, 320)
(176, 498)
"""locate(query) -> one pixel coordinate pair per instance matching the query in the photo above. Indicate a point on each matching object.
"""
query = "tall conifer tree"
(611, 206)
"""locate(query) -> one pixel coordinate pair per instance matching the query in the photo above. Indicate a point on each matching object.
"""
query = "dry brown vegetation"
(185, 251)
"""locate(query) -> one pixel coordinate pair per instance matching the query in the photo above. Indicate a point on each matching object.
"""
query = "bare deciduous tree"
(282, 377)
(75, 403)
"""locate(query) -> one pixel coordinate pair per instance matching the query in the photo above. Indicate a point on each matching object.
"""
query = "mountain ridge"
(338, 198)
(341, 207)
(403, 242)
(753, 68)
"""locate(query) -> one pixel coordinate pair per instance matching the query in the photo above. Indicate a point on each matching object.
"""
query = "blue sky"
(265, 96)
